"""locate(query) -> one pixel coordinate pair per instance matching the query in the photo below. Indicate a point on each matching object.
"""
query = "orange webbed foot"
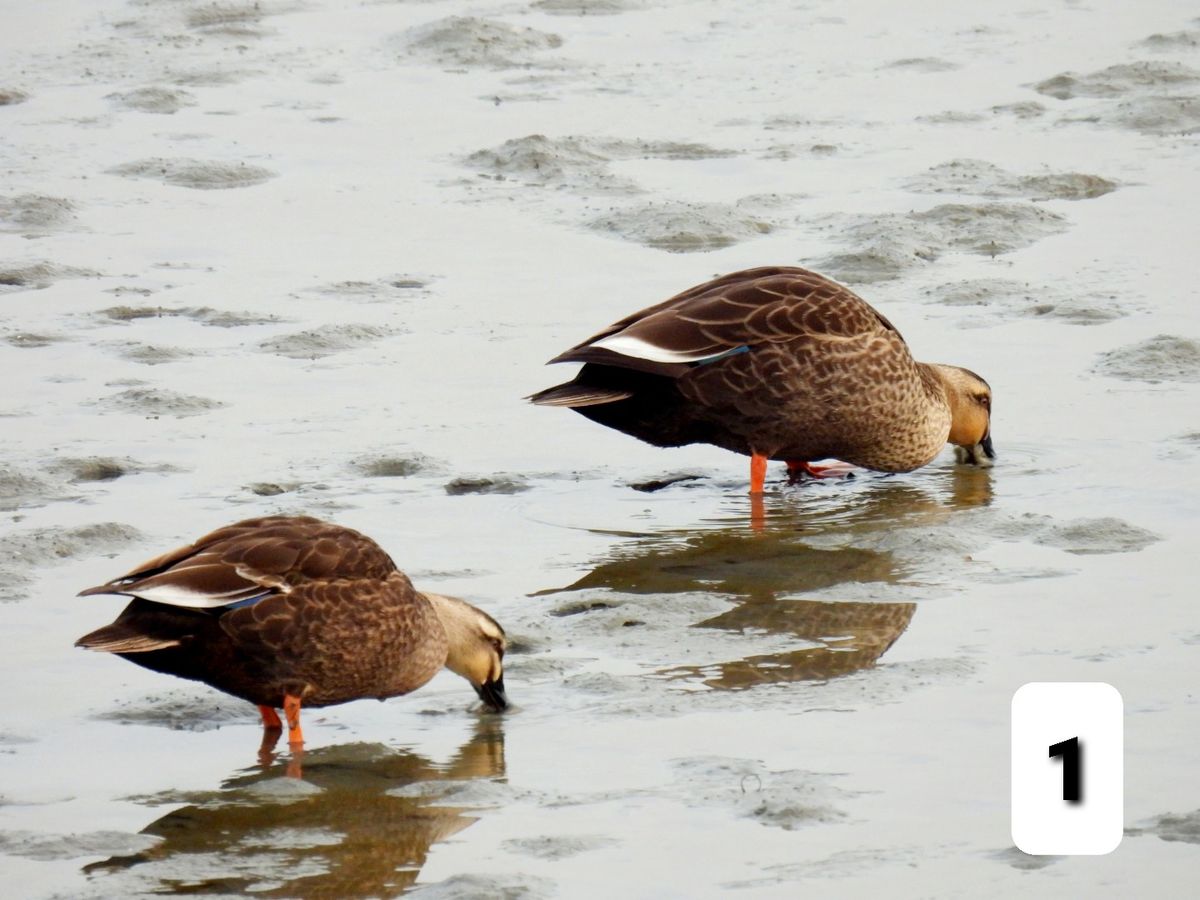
(798, 470)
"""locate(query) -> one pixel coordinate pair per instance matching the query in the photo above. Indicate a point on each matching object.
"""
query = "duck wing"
(248, 560)
(729, 315)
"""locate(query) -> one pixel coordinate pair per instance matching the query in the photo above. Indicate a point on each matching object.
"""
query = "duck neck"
(948, 379)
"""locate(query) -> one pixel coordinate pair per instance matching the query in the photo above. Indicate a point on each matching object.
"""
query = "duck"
(292, 611)
(777, 363)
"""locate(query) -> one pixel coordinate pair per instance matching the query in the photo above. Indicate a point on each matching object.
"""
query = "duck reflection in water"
(847, 636)
(360, 825)
(768, 572)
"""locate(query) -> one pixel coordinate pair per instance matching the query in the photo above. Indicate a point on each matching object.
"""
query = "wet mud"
(304, 258)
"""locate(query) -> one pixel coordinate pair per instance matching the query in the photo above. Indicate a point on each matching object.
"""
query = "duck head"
(476, 645)
(970, 400)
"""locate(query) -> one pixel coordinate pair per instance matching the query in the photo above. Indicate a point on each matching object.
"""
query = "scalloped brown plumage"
(776, 363)
(289, 610)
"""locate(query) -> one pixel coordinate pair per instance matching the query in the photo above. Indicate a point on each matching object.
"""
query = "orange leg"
(291, 709)
(270, 717)
(758, 472)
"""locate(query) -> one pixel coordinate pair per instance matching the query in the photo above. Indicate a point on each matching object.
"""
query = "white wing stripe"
(174, 595)
(627, 345)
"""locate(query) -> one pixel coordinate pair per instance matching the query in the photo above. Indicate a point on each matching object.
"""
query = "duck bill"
(492, 694)
(982, 454)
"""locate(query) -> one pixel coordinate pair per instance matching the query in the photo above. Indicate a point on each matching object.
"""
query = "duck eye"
(984, 400)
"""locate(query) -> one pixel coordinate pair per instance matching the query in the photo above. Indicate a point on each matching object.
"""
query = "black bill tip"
(492, 694)
(986, 444)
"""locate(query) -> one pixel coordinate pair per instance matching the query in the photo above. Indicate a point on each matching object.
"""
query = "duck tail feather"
(120, 638)
(575, 395)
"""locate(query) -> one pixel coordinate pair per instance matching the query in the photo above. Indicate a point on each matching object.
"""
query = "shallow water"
(302, 257)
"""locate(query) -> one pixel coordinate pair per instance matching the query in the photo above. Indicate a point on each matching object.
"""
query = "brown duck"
(285, 611)
(776, 363)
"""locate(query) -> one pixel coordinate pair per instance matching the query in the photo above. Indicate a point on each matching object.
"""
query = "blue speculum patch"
(745, 348)
(249, 601)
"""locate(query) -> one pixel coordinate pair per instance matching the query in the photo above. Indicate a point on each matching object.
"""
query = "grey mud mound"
(497, 886)
(395, 287)
(1184, 828)
(22, 551)
(1082, 537)
(1028, 109)
(496, 484)
(975, 176)
(1150, 97)
(229, 19)
(586, 7)
(1104, 535)
(1165, 357)
(579, 163)
(1174, 41)
(1120, 79)
(34, 212)
(28, 340)
(924, 64)
(160, 100)
(883, 247)
(40, 546)
(205, 315)
(394, 466)
(1011, 299)
(49, 847)
(205, 710)
(471, 42)
(991, 228)
(158, 402)
(37, 275)
(1019, 859)
(680, 227)
(325, 341)
(563, 162)
(787, 800)
(199, 174)
(20, 489)
(151, 354)
(100, 468)
(554, 847)
(1156, 115)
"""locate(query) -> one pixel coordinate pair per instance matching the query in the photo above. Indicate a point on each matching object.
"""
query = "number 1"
(1072, 757)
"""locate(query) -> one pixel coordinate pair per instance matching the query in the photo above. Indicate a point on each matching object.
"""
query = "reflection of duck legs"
(273, 728)
(797, 470)
(360, 830)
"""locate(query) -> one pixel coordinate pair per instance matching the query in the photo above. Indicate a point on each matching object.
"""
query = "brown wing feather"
(344, 639)
(764, 305)
(241, 560)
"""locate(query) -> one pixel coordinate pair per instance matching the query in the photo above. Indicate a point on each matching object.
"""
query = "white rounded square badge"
(1068, 771)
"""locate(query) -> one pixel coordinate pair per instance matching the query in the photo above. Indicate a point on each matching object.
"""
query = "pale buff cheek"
(486, 668)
